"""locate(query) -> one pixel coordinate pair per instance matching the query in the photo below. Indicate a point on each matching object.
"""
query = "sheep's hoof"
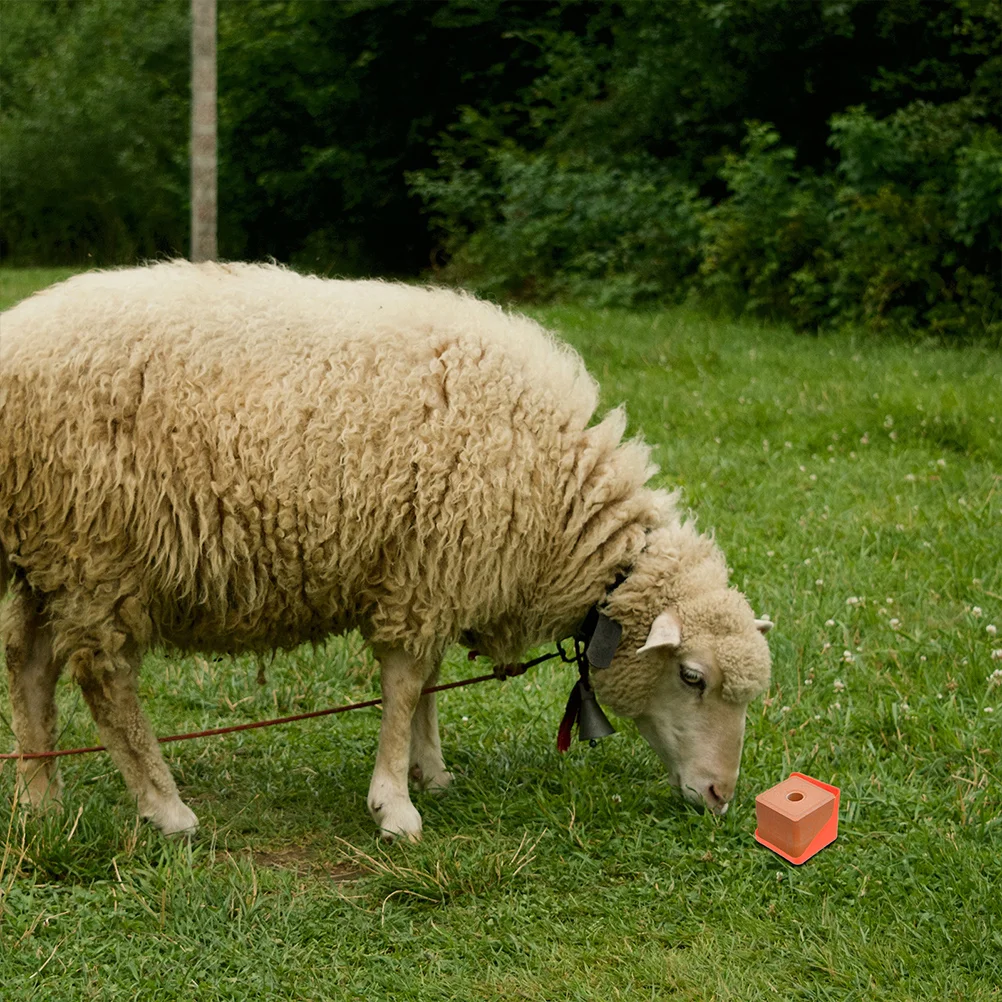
(176, 821)
(48, 804)
(434, 782)
(438, 783)
(398, 820)
(40, 795)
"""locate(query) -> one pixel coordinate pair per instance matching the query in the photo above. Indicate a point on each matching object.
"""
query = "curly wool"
(239, 457)
(681, 570)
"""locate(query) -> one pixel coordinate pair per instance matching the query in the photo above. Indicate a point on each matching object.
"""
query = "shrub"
(764, 246)
(542, 227)
(93, 135)
(903, 235)
(916, 235)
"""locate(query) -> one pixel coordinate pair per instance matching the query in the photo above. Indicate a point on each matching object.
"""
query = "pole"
(203, 130)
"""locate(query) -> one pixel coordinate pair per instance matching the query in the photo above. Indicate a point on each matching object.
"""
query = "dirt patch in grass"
(299, 859)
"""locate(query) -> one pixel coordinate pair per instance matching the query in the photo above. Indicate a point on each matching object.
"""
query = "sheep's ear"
(763, 625)
(666, 632)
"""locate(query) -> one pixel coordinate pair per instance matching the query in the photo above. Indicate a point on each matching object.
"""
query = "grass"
(856, 486)
(16, 283)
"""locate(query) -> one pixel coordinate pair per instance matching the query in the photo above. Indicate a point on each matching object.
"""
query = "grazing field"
(856, 487)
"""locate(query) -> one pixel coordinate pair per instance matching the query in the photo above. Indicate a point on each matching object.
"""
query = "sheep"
(235, 457)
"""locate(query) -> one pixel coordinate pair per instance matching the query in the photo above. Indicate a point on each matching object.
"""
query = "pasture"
(856, 487)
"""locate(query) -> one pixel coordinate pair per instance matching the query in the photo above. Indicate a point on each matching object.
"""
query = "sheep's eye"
(692, 677)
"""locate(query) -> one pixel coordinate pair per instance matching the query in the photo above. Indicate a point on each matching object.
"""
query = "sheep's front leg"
(427, 765)
(109, 684)
(402, 678)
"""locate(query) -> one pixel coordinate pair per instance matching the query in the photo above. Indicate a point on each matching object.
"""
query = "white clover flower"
(819, 582)
(826, 647)
(785, 709)
(838, 685)
(888, 421)
(865, 440)
(616, 798)
(976, 612)
(941, 462)
(910, 477)
(895, 623)
(989, 709)
(808, 681)
(995, 678)
(852, 600)
(829, 622)
(848, 657)
(889, 600)
(990, 630)
(997, 654)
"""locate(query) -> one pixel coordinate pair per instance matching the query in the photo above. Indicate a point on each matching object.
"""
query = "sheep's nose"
(718, 797)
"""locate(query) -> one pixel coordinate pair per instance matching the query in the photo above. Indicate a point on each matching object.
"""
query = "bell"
(592, 722)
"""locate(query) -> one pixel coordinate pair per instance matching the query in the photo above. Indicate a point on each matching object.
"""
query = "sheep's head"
(691, 658)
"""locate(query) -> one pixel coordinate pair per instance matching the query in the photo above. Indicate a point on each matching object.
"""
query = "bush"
(904, 234)
(916, 236)
(543, 227)
(93, 135)
(764, 246)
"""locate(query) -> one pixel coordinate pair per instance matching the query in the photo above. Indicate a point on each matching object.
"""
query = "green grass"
(16, 283)
(856, 487)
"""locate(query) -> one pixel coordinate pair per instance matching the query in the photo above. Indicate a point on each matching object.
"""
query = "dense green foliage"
(854, 486)
(820, 162)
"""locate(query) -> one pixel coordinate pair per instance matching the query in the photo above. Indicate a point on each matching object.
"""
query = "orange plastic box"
(798, 817)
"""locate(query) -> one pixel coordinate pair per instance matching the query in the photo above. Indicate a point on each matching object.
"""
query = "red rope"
(503, 672)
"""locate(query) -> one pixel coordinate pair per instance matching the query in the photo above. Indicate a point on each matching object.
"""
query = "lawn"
(856, 487)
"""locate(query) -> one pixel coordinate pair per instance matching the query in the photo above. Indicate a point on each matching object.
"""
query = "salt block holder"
(798, 817)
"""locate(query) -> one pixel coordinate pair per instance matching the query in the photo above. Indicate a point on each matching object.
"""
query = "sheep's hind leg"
(402, 677)
(427, 765)
(109, 684)
(33, 672)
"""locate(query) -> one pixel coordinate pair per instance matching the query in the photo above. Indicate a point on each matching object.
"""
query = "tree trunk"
(203, 130)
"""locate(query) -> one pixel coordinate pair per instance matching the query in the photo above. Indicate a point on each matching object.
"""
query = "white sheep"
(236, 457)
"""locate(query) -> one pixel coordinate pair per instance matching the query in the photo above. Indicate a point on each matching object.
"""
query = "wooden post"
(203, 130)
